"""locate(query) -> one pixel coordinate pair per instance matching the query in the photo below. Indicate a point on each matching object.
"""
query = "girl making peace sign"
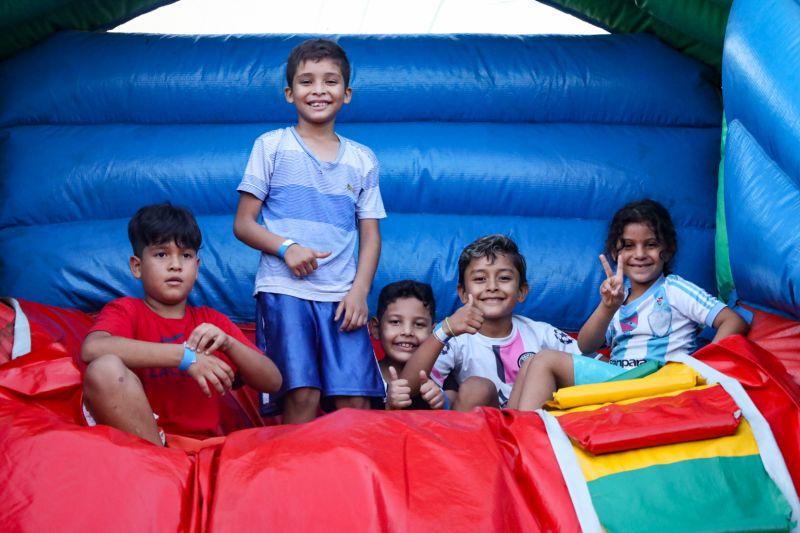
(645, 312)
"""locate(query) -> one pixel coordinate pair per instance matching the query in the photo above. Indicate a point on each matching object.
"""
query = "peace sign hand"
(612, 290)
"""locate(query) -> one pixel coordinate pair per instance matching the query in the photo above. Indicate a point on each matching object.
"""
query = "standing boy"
(484, 344)
(160, 355)
(317, 194)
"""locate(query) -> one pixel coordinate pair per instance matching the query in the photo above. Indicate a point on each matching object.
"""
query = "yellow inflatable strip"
(742, 443)
(672, 377)
(594, 407)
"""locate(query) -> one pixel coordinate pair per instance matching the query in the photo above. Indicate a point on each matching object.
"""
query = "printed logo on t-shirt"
(660, 319)
(628, 363)
(171, 340)
(629, 323)
(562, 337)
(524, 357)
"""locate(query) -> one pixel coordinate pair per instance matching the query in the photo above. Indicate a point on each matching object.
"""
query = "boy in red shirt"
(160, 355)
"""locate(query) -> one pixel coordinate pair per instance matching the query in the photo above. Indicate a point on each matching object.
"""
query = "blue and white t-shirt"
(499, 359)
(315, 203)
(662, 322)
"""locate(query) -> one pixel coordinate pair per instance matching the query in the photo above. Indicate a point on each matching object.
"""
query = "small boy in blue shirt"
(317, 194)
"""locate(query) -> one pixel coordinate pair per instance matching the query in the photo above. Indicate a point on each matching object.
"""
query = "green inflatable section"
(722, 257)
(24, 23)
(695, 27)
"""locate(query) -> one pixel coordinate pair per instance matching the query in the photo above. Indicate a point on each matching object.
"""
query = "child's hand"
(210, 370)
(468, 319)
(430, 391)
(612, 290)
(302, 261)
(208, 338)
(355, 311)
(398, 393)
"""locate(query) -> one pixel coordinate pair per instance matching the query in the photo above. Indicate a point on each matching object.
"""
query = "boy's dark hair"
(652, 214)
(161, 224)
(317, 50)
(490, 247)
(406, 289)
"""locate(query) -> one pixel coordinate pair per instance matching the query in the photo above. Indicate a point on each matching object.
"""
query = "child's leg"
(474, 392)
(353, 402)
(350, 373)
(300, 405)
(286, 330)
(115, 397)
(513, 401)
(546, 372)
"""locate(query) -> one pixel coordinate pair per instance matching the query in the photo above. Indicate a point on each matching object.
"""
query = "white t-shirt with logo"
(316, 203)
(662, 322)
(500, 359)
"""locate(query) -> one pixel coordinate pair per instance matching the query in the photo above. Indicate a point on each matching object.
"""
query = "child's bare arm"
(300, 259)
(467, 319)
(592, 334)
(208, 371)
(728, 323)
(354, 305)
(612, 292)
(134, 353)
(256, 369)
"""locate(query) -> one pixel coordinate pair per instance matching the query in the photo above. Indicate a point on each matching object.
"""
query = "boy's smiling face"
(494, 286)
(318, 91)
(168, 273)
(405, 324)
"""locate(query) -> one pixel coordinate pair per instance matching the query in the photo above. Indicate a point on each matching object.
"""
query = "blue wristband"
(446, 406)
(283, 247)
(440, 335)
(189, 357)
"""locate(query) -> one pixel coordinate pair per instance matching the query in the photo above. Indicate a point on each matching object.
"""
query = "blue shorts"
(307, 346)
(589, 370)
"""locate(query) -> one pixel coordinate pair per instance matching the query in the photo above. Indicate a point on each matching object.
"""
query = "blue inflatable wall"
(761, 83)
(541, 138)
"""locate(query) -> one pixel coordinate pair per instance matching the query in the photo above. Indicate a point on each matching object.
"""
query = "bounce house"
(693, 103)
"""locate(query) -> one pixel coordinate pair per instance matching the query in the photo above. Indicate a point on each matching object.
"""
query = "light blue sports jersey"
(662, 322)
(315, 203)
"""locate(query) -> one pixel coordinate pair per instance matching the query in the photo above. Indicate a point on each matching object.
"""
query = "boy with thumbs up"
(482, 346)
(404, 320)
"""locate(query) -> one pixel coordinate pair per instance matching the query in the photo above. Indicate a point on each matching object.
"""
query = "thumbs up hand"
(468, 319)
(398, 393)
(430, 391)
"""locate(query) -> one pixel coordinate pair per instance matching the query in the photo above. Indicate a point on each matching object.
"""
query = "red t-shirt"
(175, 396)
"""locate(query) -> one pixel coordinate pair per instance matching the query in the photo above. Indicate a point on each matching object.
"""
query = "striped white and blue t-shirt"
(662, 322)
(315, 203)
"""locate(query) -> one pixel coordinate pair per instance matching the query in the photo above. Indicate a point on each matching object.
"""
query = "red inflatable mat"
(779, 336)
(365, 471)
(767, 382)
(692, 415)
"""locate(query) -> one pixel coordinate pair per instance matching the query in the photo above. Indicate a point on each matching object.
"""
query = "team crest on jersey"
(524, 357)
(562, 337)
(629, 323)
